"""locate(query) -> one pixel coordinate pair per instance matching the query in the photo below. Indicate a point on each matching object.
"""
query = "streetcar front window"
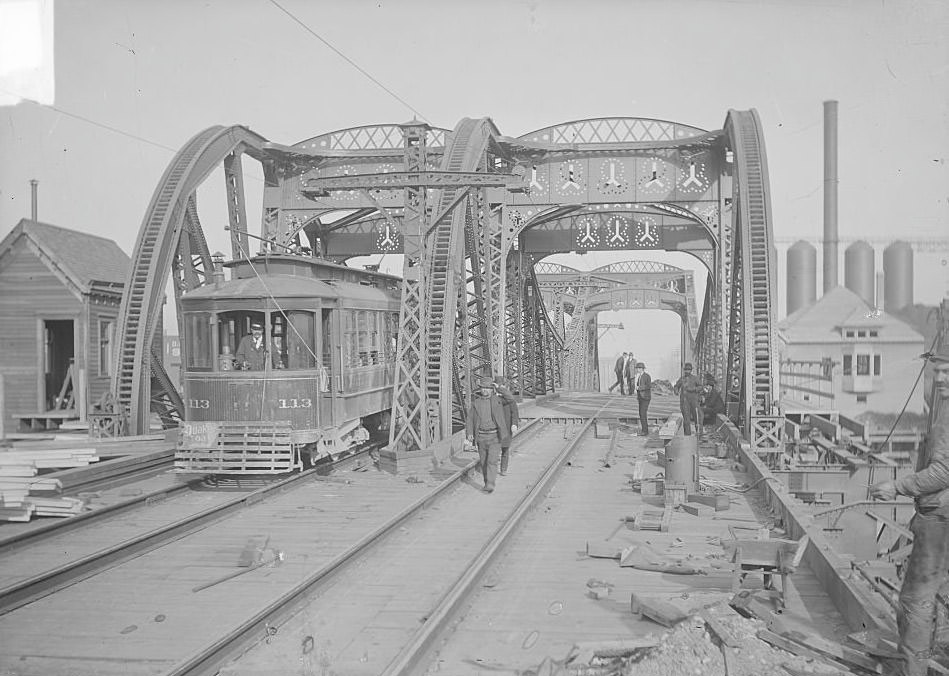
(242, 341)
(198, 340)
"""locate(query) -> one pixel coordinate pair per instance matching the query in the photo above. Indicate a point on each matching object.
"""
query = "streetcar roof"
(288, 286)
(279, 286)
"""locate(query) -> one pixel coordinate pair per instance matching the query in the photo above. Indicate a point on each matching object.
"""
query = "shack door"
(59, 355)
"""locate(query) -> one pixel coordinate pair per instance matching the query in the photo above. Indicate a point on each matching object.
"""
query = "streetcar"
(288, 362)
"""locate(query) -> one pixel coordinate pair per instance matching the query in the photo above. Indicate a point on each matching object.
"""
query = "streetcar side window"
(297, 345)
(198, 337)
(390, 335)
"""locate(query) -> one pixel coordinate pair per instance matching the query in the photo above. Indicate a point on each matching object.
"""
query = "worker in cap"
(642, 386)
(511, 419)
(487, 430)
(252, 351)
(689, 388)
(928, 565)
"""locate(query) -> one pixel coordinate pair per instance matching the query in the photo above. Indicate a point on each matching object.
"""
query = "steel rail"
(48, 582)
(67, 524)
(207, 662)
(409, 659)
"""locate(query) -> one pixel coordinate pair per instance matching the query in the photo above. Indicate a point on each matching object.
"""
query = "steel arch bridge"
(473, 210)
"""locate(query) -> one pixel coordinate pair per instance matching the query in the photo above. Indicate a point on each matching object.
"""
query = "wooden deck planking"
(539, 585)
(402, 581)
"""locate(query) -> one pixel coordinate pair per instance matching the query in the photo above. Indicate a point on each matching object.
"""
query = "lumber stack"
(23, 494)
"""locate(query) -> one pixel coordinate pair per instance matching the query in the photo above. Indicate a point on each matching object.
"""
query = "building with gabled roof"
(843, 355)
(60, 292)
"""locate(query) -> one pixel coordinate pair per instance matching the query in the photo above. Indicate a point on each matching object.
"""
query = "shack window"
(877, 364)
(106, 339)
(863, 364)
(198, 337)
(849, 333)
(848, 365)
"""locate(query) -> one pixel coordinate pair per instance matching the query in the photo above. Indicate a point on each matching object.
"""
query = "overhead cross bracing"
(473, 211)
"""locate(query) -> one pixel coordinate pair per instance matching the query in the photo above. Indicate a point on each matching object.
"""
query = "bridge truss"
(474, 212)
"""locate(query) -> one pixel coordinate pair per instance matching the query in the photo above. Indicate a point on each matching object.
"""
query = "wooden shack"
(60, 292)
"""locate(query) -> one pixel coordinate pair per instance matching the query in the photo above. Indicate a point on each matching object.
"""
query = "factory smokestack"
(830, 195)
(33, 184)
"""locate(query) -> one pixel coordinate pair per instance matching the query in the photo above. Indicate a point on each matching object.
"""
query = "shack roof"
(88, 261)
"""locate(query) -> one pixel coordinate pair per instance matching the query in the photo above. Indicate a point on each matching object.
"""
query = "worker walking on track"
(688, 388)
(511, 420)
(488, 430)
(928, 565)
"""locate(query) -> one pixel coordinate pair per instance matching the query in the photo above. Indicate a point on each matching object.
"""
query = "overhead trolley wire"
(348, 60)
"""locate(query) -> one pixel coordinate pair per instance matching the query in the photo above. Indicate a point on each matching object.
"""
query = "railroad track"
(170, 593)
(90, 546)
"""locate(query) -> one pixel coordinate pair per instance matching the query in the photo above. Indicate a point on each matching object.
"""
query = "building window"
(849, 333)
(874, 334)
(877, 359)
(863, 364)
(106, 339)
(861, 398)
(848, 364)
(861, 334)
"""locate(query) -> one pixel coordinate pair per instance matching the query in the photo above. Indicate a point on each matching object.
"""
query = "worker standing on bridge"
(688, 388)
(928, 564)
(511, 419)
(642, 385)
(488, 430)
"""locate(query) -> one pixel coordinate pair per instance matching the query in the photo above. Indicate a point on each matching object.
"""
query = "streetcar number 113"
(294, 403)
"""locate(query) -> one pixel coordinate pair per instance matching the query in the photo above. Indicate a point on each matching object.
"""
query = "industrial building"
(842, 354)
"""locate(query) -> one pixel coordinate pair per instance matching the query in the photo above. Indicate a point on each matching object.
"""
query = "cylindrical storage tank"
(897, 276)
(682, 461)
(859, 270)
(802, 275)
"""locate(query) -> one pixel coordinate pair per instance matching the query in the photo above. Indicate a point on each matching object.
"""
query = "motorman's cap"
(486, 381)
(687, 367)
(257, 325)
(640, 365)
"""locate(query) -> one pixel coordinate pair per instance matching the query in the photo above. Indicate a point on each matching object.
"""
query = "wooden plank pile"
(23, 494)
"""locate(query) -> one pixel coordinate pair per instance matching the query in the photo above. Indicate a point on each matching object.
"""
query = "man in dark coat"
(252, 352)
(711, 401)
(642, 386)
(630, 372)
(688, 388)
(488, 430)
(620, 369)
(511, 419)
(928, 565)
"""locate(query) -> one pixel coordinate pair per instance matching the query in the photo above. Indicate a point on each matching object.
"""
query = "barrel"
(682, 461)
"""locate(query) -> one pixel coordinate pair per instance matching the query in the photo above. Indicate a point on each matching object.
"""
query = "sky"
(134, 80)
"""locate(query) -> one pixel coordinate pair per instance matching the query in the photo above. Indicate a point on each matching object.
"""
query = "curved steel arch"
(158, 246)
(751, 364)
